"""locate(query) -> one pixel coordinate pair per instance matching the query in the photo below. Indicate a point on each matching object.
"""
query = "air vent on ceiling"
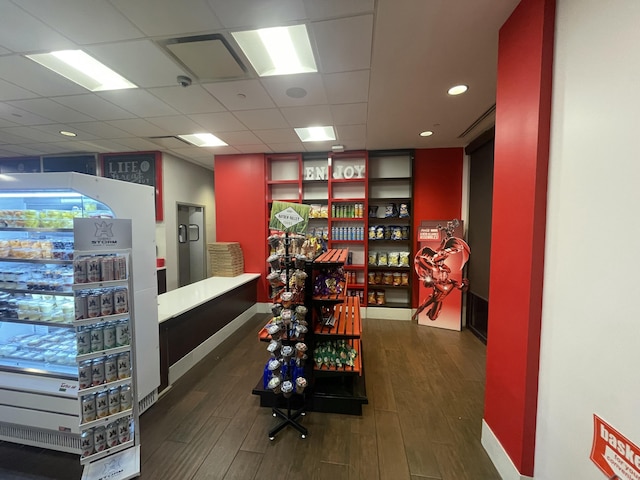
(478, 121)
(207, 57)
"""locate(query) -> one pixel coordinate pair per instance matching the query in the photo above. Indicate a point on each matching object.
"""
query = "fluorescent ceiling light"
(68, 134)
(457, 89)
(316, 134)
(82, 69)
(426, 133)
(278, 50)
(203, 140)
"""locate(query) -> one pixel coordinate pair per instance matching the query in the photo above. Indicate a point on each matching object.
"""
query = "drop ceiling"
(384, 67)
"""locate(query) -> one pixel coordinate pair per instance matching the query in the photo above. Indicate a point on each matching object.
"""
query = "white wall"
(183, 182)
(590, 332)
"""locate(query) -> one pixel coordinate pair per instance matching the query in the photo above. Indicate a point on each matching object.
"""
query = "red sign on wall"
(613, 453)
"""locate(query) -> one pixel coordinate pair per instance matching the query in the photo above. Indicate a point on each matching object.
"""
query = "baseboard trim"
(498, 455)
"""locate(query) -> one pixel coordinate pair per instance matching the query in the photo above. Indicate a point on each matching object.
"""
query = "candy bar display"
(334, 354)
(284, 372)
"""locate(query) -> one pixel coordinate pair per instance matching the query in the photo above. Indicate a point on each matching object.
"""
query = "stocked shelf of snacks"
(338, 357)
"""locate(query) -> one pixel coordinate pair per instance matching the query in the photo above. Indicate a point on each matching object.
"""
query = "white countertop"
(183, 299)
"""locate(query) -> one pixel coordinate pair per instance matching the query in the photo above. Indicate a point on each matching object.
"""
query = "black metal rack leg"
(289, 419)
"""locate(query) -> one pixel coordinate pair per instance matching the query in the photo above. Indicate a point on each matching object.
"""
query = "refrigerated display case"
(41, 395)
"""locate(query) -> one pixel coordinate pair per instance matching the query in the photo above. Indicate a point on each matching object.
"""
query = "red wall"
(240, 190)
(523, 105)
(437, 190)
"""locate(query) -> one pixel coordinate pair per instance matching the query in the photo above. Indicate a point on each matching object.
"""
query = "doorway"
(191, 244)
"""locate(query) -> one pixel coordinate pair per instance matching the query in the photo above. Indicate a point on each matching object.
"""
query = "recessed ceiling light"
(457, 89)
(68, 134)
(203, 140)
(426, 133)
(278, 50)
(82, 69)
(316, 134)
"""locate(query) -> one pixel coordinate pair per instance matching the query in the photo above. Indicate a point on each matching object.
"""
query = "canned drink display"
(125, 397)
(112, 434)
(97, 371)
(111, 368)
(124, 430)
(106, 303)
(80, 306)
(102, 404)
(122, 333)
(99, 439)
(124, 365)
(83, 340)
(120, 300)
(114, 400)
(93, 269)
(97, 339)
(109, 334)
(85, 374)
(106, 269)
(88, 408)
(93, 305)
(119, 268)
(86, 442)
(80, 270)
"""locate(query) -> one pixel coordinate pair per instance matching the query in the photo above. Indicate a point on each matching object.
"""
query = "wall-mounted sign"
(144, 168)
(289, 217)
(614, 453)
(321, 172)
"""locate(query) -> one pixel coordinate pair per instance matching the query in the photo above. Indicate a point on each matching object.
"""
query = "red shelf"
(333, 256)
(347, 324)
(282, 182)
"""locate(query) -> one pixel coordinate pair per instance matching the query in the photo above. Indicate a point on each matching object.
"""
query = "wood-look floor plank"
(335, 448)
(244, 466)
(333, 471)
(363, 459)
(392, 459)
(305, 459)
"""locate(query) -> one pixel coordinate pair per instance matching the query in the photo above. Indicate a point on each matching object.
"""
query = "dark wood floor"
(423, 420)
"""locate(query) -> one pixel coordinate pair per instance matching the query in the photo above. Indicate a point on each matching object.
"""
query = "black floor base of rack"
(289, 419)
(328, 395)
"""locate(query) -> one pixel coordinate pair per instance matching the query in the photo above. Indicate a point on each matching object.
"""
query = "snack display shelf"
(38, 292)
(102, 353)
(389, 220)
(347, 320)
(106, 452)
(356, 369)
(347, 219)
(47, 261)
(36, 229)
(355, 286)
(36, 322)
(264, 336)
(106, 420)
(280, 182)
(353, 267)
(332, 257)
(104, 386)
(388, 240)
(108, 318)
(334, 297)
(389, 268)
(390, 305)
(382, 285)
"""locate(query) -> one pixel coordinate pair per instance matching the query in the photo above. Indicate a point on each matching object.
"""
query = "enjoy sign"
(321, 172)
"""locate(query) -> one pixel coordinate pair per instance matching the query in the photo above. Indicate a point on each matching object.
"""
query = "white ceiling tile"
(136, 144)
(203, 152)
(311, 83)
(55, 129)
(355, 144)
(317, 115)
(36, 78)
(344, 44)
(24, 150)
(239, 138)
(21, 117)
(286, 147)
(318, 146)
(71, 146)
(347, 87)
(177, 124)
(99, 129)
(240, 95)
(95, 106)
(139, 127)
(124, 57)
(9, 91)
(6, 123)
(193, 99)
(262, 119)
(337, 8)
(102, 146)
(349, 114)
(218, 122)
(258, 148)
(12, 138)
(21, 32)
(79, 20)
(49, 109)
(258, 13)
(169, 17)
(351, 132)
(34, 134)
(167, 142)
(139, 102)
(287, 135)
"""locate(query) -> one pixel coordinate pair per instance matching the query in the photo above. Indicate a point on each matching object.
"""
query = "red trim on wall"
(240, 214)
(437, 191)
(523, 114)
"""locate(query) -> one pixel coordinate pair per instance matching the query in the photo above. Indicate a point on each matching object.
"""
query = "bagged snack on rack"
(394, 259)
(397, 279)
(387, 278)
(404, 259)
(383, 259)
(373, 258)
(396, 233)
(371, 297)
(371, 278)
(324, 211)
(390, 210)
(380, 297)
(405, 278)
(373, 211)
(372, 232)
(404, 210)
(378, 278)
(379, 232)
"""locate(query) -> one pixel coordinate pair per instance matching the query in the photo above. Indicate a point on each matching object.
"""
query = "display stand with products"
(104, 324)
